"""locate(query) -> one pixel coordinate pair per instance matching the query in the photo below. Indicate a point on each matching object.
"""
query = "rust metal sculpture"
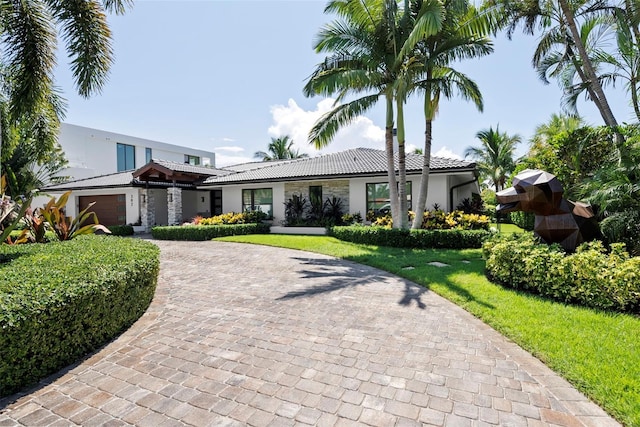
(558, 220)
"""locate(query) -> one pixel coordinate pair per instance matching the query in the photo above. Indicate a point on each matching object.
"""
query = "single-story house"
(163, 192)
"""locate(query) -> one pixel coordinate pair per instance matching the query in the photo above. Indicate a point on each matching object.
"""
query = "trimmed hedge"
(121, 230)
(62, 300)
(206, 232)
(591, 277)
(420, 239)
(524, 220)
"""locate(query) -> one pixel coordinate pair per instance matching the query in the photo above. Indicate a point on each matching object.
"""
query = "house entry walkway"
(253, 335)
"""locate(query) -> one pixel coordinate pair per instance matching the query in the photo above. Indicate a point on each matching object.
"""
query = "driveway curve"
(254, 335)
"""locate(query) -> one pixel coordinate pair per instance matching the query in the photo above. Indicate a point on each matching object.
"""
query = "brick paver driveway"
(251, 335)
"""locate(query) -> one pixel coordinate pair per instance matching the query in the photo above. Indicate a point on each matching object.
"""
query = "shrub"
(206, 232)
(623, 227)
(440, 220)
(380, 236)
(524, 220)
(62, 300)
(352, 219)
(234, 218)
(590, 277)
(121, 230)
(300, 212)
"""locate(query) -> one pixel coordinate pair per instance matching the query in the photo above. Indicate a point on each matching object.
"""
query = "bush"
(524, 220)
(623, 227)
(206, 232)
(230, 218)
(380, 236)
(590, 277)
(62, 300)
(440, 220)
(121, 230)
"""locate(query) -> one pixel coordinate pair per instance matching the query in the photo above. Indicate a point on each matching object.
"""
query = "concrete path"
(252, 335)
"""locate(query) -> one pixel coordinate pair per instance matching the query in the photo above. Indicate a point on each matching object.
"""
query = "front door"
(216, 202)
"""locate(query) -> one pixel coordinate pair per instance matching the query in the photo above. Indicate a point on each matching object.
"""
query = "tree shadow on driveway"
(340, 274)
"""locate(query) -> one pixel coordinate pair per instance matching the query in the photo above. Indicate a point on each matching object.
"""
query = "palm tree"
(495, 156)
(461, 37)
(365, 59)
(29, 30)
(543, 14)
(280, 149)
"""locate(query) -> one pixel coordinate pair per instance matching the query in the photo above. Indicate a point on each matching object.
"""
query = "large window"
(126, 157)
(148, 155)
(315, 194)
(192, 160)
(378, 197)
(258, 199)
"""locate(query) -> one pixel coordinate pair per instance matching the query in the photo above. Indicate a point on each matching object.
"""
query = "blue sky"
(226, 76)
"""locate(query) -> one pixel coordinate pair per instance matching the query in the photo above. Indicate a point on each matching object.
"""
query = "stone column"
(147, 209)
(174, 205)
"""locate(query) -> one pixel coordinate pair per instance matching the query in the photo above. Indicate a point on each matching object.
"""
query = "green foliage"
(404, 238)
(352, 219)
(623, 227)
(206, 232)
(11, 213)
(524, 220)
(252, 217)
(66, 227)
(590, 277)
(121, 230)
(440, 220)
(473, 205)
(488, 196)
(300, 212)
(62, 300)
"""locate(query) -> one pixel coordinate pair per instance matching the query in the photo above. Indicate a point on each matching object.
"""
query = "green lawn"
(599, 353)
(507, 228)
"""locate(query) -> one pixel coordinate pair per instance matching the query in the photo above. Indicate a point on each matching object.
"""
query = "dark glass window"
(126, 157)
(147, 155)
(378, 197)
(258, 199)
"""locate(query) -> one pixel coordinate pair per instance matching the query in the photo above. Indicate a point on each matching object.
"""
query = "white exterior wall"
(132, 196)
(93, 152)
(438, 191)
(232, 198)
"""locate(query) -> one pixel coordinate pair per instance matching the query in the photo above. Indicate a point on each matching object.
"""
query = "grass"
(598, 352)
(507, 228)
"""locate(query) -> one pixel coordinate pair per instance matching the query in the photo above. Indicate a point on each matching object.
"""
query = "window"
(315, 194)
(126, 157)
(147, 155)
(258, 199)
(192, 160)
(378, 197)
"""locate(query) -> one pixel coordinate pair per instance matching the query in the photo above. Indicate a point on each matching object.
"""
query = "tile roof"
(120, 179)
(358, 161)
(185, 167)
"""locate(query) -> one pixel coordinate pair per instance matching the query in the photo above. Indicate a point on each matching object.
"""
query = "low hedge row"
(121, 230)
(420, 239)
(206, 232)
(590, 277)
(59, 301)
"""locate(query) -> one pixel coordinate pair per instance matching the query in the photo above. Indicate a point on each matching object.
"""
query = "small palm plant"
(66, 227)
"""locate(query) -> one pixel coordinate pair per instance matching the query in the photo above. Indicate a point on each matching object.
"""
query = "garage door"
(111, 210)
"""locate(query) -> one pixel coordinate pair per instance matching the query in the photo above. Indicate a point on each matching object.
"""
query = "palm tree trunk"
(402, 168)
(391, 166)
(592, 78)
(421, 206)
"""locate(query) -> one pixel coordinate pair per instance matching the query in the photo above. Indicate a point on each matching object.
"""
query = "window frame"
(368, 202)
(188, 158)
(148, 154)
(251, 207)
(125, 157)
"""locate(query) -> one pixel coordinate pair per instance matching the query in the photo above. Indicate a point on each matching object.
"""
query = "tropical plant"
(11, 211)
(280, 149)
(462, 36)
(66, 227)
(495, 155)
(557, 21)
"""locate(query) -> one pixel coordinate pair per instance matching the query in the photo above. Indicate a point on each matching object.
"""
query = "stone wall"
(147, 209)
(174, 205)
(331, 188)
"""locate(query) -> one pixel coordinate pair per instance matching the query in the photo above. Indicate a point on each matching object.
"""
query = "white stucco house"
(165, 192)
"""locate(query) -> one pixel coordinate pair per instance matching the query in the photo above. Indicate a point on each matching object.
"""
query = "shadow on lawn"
(344, 274)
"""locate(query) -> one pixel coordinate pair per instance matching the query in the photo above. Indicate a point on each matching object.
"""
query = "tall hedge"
(60, 301)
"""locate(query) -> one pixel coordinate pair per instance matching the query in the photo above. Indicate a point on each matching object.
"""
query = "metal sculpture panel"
(558, 220)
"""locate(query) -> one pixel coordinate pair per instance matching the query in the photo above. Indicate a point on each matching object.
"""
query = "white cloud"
(296, 122)
(228, 139)
(447, 153)
(223, 160)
